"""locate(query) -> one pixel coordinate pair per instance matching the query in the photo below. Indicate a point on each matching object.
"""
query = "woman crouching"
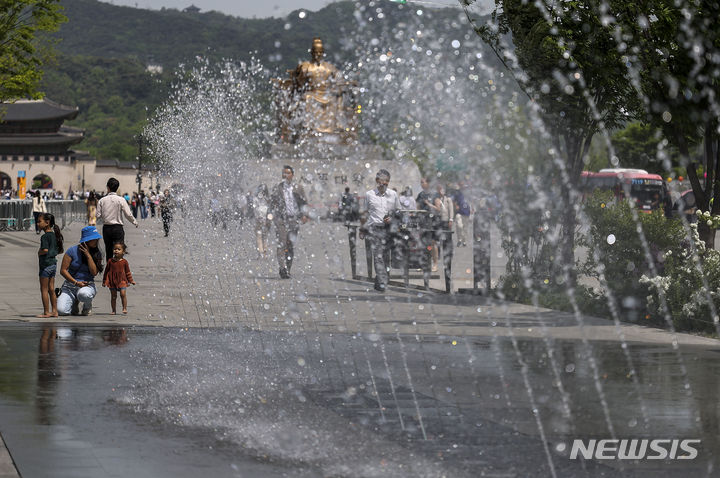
(79, 267)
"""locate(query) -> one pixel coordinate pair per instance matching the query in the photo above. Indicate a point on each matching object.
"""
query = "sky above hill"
(251, 8)
(238, 8)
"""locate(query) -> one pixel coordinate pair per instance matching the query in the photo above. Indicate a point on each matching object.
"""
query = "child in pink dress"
(117, 276)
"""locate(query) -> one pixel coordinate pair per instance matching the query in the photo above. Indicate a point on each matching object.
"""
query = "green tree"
(20, 58)
(114, 95)
(565, 59)
(673, 55)
(642, 145)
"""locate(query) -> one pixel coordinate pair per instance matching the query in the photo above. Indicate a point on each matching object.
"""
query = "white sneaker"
(86, 311)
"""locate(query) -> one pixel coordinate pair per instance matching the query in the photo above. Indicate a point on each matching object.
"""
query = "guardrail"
(16, 215)
(410, 239)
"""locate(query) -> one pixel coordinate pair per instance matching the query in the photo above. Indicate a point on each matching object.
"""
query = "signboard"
(21, 184)
(648, 182)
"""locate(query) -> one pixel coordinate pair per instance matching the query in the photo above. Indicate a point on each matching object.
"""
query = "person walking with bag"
(91, 203)
(380, 206)
(167, 205)
(288, 206)
(260, 210)
(462, 215)
(444, 214)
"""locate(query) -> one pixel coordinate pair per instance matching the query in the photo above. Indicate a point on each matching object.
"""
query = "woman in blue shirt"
(79, 267)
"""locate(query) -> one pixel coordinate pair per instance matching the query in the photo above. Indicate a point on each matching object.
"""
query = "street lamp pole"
(138, 179)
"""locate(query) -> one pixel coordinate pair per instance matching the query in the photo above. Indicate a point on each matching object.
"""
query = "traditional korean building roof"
(35, 127)
(36, 110)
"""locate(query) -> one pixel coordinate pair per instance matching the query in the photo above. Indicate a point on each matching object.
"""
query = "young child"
(51, 244)
(117, 276)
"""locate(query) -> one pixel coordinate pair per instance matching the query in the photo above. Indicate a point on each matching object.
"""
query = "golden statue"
(311, 103)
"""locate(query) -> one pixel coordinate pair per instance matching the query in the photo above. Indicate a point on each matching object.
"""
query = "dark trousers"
(166, 219)
(112, 233)
(286, 230)
(380, 241)
(36, 215)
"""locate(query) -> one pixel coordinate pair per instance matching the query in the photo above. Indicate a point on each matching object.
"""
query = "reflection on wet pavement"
(87, 401)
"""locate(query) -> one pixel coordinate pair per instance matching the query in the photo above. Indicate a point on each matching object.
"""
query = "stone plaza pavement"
(216, 284)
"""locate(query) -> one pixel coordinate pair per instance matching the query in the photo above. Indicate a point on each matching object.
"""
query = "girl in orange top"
(117, 276)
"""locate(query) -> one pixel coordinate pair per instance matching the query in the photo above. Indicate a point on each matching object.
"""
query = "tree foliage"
(115, 97)
(673, 58)
(641, 145)
(564, 58)
(20, 56)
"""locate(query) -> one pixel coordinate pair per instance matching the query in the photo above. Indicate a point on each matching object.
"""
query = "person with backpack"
(462, 215)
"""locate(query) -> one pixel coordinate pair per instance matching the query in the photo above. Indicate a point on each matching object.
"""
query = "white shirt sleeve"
(128, 213)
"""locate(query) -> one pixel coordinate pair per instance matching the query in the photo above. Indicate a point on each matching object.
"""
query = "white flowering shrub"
(690, 283)
(707, 218)
(616, 249)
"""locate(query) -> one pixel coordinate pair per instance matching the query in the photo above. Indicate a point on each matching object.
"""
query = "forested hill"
(103, 53)
(168, 37)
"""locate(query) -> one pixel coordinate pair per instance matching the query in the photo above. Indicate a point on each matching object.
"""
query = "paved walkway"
(222, 283)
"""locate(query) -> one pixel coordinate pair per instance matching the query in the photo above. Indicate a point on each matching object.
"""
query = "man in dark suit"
(288, 207)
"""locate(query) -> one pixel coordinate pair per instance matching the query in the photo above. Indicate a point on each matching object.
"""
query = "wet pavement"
(106, 401)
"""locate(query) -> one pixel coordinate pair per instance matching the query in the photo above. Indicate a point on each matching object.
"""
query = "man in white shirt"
(379, 207)
(111, 209)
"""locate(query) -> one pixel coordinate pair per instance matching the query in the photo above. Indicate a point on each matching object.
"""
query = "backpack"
(463, 205)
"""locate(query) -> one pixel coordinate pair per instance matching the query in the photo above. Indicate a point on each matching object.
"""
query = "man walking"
(166, 210)
(288, 207)
(380, 205)
(462, 214)
(348, 206)
(110, 210)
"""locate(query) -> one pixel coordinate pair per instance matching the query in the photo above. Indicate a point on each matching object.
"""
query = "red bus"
(647, 190)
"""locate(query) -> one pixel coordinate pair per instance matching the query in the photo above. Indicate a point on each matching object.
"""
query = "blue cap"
(89, 233)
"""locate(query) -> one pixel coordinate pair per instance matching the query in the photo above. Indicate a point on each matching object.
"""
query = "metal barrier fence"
(16, 215)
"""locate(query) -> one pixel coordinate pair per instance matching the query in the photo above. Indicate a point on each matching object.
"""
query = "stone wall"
(68, 174)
